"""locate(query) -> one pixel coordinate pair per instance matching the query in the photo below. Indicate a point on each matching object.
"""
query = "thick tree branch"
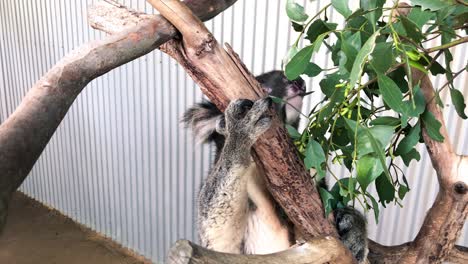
(222, 77)
(24, 135)
(379, 254)
(319, 250)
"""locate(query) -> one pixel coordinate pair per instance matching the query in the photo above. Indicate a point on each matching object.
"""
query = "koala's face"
(246, 120)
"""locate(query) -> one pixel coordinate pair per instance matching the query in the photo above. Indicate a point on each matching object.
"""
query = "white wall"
(120, 163)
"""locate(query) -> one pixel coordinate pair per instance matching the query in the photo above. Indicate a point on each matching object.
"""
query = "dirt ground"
(35, 234)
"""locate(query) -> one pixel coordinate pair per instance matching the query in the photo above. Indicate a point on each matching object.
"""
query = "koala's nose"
(269, 101)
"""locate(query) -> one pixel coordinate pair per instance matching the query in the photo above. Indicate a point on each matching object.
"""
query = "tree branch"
(379, 254)
(27, 131)
(319, 250)
(222, 77)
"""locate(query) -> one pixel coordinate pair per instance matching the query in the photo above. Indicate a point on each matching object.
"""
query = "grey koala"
(236, 213)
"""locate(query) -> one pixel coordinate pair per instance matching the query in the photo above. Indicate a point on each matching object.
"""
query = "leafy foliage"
(373, 110)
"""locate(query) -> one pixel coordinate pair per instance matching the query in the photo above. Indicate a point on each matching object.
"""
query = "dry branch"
(316, 251)
(223, 77)
(24, 135)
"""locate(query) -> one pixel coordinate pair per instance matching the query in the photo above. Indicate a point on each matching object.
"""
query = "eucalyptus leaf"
(317, 28)
(385, 189)
(391, 94)
(327, 200)
(402, 191)
(292, 131)
(432, 126)
(298, 63)
(409, 141)
(295, 11)
(314, 157)
(433, 5)
(382, 57)
(368, 169)
(412, 30)
(342, 7)
(386, 120)
(459, 102)
(361, 58)
(413, 154)
(312, 70)
(375, 207)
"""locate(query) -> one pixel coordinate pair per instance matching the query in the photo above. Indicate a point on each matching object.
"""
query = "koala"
(236, 212)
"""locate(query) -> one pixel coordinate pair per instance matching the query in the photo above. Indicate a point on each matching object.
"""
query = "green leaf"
(375, 10)
(327, 200)
(459, 102)
(432, 5)
(420, 17)
(366, 138)
(409, 141)
(291, 53)
(368, 169)
(276, 100)
(317, 28)
(342, 7)
(432, 126)
(295, 11)
(412, 30)
(382, 57)
(312, 70)
(402, 191)
(299, 62)
(386, 120)
(314, 157)
(297, 27)
(385, 189)
(411, 155)
(319, 40)
(375, 207)
(292, 131)
(361, 57)
(391, 93)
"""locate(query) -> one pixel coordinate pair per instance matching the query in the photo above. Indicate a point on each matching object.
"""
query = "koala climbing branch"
(222, 78)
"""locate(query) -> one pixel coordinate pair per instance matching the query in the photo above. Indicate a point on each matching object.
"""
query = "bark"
(26, 132)
(379, 254)
(319, 250)
(222, 78)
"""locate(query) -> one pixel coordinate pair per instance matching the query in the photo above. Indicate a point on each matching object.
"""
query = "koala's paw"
(245, 121)
(351, 226)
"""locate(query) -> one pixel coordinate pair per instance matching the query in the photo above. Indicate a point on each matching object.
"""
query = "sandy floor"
(35, 235)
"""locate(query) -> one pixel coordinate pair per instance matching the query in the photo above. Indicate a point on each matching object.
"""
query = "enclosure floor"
(36, 234)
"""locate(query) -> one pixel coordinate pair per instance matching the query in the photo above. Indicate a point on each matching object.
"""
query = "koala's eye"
(243, 107)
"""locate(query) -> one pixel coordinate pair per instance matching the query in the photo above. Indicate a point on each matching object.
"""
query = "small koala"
(236, 212)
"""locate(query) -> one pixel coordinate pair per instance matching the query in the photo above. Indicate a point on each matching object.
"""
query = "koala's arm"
(223, 201)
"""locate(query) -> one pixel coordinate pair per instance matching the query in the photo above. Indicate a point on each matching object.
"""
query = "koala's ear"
(221, 125)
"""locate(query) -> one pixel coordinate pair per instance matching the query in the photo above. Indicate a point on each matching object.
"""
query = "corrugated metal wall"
(120, 163)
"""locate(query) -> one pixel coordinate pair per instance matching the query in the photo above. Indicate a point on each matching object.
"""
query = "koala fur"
(236, 213)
